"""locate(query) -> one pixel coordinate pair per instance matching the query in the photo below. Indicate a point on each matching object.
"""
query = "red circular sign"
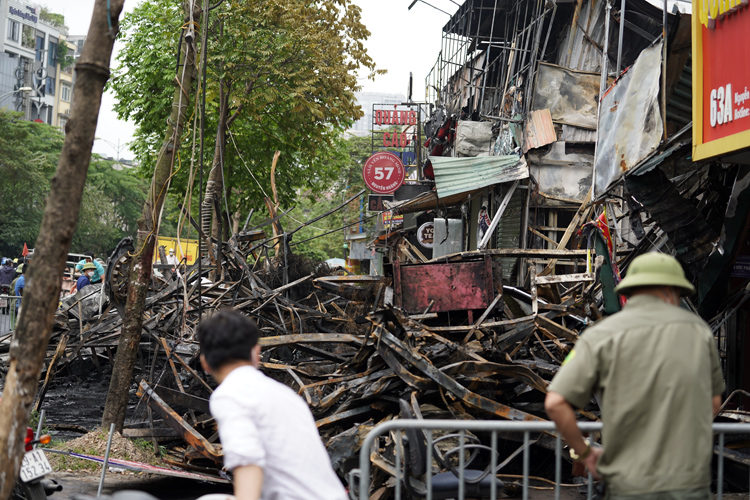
(383, 173)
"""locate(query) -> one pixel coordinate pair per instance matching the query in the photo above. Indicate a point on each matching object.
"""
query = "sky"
(401, 41)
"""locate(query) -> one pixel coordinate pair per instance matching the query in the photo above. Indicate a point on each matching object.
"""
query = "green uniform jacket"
(656, 368)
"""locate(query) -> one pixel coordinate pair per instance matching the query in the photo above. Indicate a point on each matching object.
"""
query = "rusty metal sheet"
(630, 125)
(561, 173)
(569, 95)
(193, 437)
(540, 130)
(454, 286)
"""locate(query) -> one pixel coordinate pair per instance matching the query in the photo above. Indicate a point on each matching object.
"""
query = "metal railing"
(8, 313)
(362, 475)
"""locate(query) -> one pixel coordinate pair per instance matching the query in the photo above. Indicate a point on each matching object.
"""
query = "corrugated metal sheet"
(588, 38)
(680, 221)
(577, 134)
(630, 124)
(569, 95)
(461, 175)
(584, 55)
(540, 130)
(508, 234)
(680, 103)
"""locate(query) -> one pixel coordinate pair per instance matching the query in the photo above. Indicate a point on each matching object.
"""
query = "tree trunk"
(42, 291)
(148, 225)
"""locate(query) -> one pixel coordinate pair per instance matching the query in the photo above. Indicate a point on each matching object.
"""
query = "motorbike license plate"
(34, 465)
(3, 302)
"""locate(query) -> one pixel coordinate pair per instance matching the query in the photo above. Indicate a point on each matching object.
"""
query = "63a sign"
(383, 173)
(721, 77)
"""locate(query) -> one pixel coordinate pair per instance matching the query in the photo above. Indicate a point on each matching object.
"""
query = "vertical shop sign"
(721, 77)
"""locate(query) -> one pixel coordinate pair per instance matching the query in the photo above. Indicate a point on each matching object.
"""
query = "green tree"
(28, 157)
(282, 76)
(57, 20)
(351, 154)
(29, 153)
(111, 205)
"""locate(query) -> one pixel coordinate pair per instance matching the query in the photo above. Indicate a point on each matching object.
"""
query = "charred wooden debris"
(526, 246)
(345, 343)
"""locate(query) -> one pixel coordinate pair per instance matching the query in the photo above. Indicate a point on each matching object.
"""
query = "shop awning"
(428, 201)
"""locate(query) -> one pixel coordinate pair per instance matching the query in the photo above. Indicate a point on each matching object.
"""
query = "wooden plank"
(556, 328)
(193, 437)
(564, 278)
(513, 252)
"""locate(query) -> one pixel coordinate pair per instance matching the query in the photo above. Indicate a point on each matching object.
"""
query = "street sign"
(375, 202)
(383, 173)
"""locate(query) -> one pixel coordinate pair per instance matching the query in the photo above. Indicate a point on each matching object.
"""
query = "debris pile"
(338, 342)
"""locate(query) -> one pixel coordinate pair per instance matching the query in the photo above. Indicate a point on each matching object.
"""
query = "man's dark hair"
(227, 336)
(90, 255)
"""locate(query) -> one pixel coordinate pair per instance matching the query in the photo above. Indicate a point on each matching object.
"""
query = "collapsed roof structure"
(566, 126)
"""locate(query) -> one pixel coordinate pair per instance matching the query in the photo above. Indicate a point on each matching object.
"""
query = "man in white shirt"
(267, 432)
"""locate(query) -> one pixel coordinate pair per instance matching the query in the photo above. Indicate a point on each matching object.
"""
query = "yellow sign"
(185, 248)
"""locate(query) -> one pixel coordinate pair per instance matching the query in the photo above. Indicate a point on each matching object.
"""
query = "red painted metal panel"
(453, 286)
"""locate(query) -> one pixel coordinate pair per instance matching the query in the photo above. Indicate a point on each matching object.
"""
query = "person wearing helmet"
(7, 273)
(655, 368)
(98, 268)
(85, 279)
(20, 283)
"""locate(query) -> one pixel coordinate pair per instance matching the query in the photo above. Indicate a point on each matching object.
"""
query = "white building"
(363, 126)
(31, 47)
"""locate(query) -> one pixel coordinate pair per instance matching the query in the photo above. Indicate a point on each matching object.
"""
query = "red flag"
(25, 250)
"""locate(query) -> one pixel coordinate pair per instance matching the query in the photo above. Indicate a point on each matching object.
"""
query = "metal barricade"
(362, 475)
(8, 307)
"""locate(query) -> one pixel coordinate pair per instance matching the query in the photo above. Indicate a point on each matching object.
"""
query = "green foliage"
(29, 153)
(290, 70)
(350, 156)
(28, 157)
(66, 58)
(56, 20)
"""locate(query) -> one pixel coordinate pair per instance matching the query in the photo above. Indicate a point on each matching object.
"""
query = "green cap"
(19, 269)
(89, 265)
(655, 269)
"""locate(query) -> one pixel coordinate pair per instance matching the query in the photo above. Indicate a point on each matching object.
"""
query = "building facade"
(363, 126)
(31, 51)
(64, 84)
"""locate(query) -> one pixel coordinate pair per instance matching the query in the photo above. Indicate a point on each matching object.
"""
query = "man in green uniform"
(656, 370)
